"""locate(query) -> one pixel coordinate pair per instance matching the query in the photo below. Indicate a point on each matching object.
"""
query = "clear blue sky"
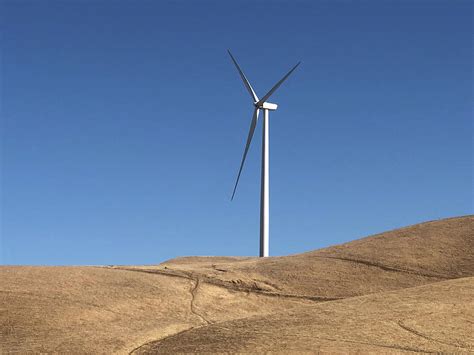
(123, 125)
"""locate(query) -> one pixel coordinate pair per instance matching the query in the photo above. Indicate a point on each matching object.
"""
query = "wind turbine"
(260, 104)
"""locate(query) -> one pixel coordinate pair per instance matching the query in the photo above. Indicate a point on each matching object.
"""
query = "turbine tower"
(261, 104)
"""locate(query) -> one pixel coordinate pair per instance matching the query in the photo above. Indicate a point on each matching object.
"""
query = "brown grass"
(406, 290)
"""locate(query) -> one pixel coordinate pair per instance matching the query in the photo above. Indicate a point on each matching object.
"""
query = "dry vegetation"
(408, 290)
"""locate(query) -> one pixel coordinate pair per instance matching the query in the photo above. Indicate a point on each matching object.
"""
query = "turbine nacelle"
(266, 106)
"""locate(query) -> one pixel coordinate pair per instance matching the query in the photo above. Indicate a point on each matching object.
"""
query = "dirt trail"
(385, 267)
(417, 333)
(194, 290)
(225, 284)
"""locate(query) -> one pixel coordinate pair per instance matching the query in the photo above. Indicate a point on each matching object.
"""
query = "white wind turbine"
(260, 104)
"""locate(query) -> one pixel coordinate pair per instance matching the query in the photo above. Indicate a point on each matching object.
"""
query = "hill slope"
(406, 257)
(431, 318)
(335, 299)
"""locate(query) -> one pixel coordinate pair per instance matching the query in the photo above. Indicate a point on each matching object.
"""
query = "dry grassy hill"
(432, 318)
(406, 257)
(406, 290)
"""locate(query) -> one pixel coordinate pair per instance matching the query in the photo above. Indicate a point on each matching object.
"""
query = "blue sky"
(123, 124)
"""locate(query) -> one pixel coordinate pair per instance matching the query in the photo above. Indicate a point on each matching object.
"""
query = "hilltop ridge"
(409, 289)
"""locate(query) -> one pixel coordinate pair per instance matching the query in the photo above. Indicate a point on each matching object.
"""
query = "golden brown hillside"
(432, 318)
(409, 289)
(406, 257)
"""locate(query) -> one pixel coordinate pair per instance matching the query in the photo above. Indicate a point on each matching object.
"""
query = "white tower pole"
(265, 188)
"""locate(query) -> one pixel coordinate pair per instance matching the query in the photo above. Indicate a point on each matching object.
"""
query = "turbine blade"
(277, 85)
(244, 79)
(249, 139)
